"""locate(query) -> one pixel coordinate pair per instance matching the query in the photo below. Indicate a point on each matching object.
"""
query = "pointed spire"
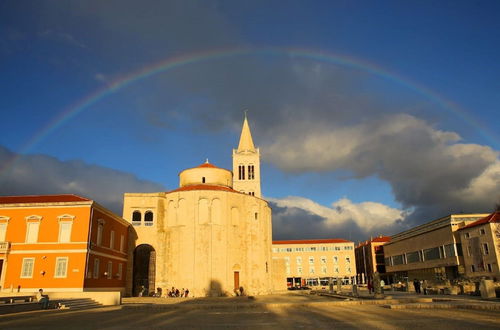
(246, 142)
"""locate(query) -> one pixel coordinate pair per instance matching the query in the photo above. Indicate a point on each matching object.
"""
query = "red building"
(370, 258)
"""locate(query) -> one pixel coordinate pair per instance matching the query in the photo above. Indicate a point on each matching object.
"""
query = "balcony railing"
(4, 247)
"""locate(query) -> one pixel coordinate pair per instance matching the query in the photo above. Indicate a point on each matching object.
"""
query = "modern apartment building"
(316, 262)
(61, 243)
(431, 251)
(370, 259)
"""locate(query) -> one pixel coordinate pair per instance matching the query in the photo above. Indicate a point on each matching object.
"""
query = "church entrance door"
(236, 281)
(144, 270)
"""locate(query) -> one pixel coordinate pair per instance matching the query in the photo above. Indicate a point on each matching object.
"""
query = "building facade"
(315, 262)
(370, 259)
(481, 247)
(61, 243)
(211, 235)
(431, 251)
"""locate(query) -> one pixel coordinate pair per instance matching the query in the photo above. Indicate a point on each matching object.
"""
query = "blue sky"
(371, 116)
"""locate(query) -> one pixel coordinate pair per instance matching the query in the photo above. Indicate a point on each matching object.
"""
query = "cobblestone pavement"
(271, 312)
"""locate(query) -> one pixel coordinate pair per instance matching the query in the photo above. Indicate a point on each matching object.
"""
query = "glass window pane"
(3, 231)
(431, 254)
(32, 236)
(65, 231)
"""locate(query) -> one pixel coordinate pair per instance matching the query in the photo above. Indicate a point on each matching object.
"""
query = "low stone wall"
(106, 298)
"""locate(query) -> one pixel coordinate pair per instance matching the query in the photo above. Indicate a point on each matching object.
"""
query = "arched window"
(148, 218)
(251, 172)
(203, 180)
(136, 218)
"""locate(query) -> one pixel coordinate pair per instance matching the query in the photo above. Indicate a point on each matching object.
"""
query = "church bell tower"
(246, 164)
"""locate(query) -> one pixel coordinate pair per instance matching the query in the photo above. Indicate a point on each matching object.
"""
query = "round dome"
(206, 174)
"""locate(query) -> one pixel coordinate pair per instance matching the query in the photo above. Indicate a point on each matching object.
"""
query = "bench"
(16, 304)
(17, 299)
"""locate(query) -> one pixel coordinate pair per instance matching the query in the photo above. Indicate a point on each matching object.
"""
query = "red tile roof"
(382, 239)
(207, 164)
(379, 239)
(313, 241)
(492, 218)
(203, 187)
(41, 199)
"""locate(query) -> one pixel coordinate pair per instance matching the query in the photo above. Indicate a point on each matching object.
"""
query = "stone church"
(211, 235)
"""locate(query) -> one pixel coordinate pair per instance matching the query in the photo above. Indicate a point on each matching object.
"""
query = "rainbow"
(175, 62)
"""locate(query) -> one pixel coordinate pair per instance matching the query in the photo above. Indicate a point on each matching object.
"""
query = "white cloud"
(368, 216)
(426, 168)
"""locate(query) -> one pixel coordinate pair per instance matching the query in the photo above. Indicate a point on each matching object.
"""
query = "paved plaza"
(270, 312)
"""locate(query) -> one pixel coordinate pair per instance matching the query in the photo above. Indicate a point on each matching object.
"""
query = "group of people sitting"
(173, 293)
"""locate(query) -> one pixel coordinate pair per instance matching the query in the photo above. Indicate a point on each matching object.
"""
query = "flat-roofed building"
(370, 258)
(481, 245)
(431, 251)
(61, 243)
(314, 262)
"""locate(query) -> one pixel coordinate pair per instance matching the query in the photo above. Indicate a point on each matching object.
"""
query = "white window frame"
(95, 272)
(33, 219)
(486, 251)
(60, 238)
(311, 260)
(3, 232)
(23, 268)
(312, 270)
(59, 259)
(298, 260)
(112, 240)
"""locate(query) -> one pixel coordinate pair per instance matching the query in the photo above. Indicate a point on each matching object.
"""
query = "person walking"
(416, 284)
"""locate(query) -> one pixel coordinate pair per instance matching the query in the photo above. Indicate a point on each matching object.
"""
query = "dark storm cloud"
(40, 174)
(430, 171)
(307, 115)
(125, 34)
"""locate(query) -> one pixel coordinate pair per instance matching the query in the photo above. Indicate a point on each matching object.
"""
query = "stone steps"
(77, 303)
